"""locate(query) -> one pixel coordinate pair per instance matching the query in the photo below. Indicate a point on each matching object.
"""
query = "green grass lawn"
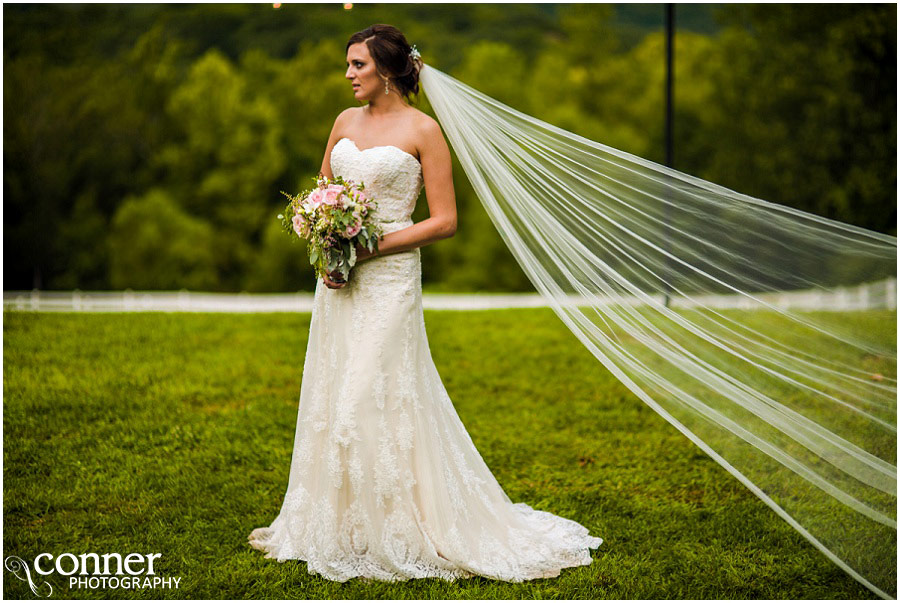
(173, 433)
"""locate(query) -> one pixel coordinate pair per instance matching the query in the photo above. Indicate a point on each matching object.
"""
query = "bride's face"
(362, 73)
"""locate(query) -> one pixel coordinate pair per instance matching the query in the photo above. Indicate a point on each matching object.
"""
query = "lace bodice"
(393, 176)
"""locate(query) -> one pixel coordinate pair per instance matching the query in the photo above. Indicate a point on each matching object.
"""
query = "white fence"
(867, 296)
(880, 294)
(195, 301)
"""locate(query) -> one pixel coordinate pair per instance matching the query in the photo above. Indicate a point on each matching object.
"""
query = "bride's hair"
(390, 50)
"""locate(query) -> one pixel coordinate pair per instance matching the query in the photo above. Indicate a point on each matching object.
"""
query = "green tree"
(804, 103)
(82, 239)
(155, 245)
(281, 263)
(81, 131)
(224, 159)
(791, 103)
(307, 93)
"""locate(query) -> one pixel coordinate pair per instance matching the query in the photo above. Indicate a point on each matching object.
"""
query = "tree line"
(145, 145)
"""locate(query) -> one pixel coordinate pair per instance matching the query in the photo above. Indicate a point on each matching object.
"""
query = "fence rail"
(867, 296)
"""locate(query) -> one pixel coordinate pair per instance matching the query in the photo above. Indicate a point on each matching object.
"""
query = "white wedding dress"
(385, 482)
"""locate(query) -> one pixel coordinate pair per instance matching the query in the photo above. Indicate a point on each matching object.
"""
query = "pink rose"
(352, 230)
(331, 195)
(317, 197)
(299, 225)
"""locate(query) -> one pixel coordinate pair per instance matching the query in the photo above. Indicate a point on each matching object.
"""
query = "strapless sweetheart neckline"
(383, 146)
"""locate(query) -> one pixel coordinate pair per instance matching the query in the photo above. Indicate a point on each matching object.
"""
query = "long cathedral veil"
(724, 313)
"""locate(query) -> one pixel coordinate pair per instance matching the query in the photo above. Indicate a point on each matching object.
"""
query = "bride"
(385, 482)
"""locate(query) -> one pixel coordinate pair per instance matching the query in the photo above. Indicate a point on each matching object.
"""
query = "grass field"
(173, 433)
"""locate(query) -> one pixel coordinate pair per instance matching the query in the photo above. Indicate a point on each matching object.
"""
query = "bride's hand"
(362, 253)
(334, 284)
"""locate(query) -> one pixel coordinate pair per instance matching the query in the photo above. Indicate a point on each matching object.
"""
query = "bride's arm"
(336, 132)
(437, 173)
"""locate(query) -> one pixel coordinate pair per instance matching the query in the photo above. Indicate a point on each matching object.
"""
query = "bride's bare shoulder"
(427, 127)
(347, 114)
(420, 118)
(344, 122)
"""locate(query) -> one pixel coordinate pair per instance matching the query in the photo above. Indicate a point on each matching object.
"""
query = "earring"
(386, 86)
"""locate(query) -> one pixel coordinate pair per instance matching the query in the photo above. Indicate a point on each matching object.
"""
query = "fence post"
(840, 298)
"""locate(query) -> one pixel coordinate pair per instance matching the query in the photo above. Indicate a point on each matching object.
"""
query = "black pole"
(670, 77)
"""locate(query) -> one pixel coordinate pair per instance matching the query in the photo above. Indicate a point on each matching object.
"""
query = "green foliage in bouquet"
(333, 217)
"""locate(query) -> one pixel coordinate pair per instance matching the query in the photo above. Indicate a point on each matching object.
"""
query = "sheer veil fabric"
(724, 313)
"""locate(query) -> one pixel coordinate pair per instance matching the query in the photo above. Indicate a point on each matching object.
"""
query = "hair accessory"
(414, 53)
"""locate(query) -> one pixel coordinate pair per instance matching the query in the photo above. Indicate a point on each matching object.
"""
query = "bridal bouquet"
(332, 217)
